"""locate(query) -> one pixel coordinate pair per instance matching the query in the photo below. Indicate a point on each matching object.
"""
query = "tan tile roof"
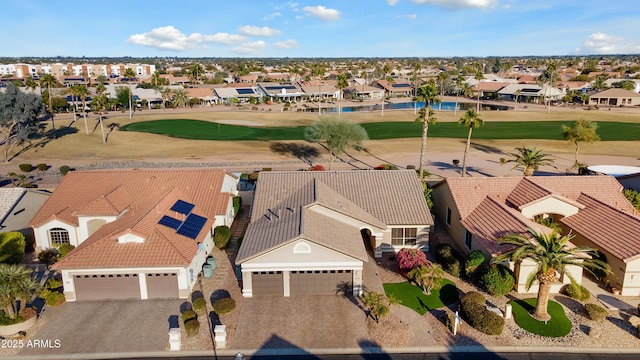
(391, 88)
(285, 203)
(525, 192)
(491, 85)
(79, 189)
(199, 92)
(616, 93)
(111, 203)
(614, 231)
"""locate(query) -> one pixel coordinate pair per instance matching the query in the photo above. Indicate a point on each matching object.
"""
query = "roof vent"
(274, 213)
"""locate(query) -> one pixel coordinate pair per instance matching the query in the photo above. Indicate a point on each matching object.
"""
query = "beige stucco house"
(476, 212)
(310, 231)
(17, 207)
(139, 234)
(615, 97)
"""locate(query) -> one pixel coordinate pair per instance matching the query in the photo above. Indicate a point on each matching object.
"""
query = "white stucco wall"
(83, 228)
(42, 236)
(549, 205)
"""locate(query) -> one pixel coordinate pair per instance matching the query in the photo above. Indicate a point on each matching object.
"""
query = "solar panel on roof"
(400, 85)
(191, 226)
(288, 87)
(170, 222)
(245, 91)
(182, 207)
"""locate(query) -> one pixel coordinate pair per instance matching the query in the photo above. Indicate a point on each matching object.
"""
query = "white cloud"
(601, 43)
(250, 48)
(407, 16)
(258, 31)
(272, 16)
(392, 2)
(287, 44)
(480, 4)
(322, 12)
(170, 38)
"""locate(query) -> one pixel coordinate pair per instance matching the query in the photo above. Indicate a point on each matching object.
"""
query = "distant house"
(366, 92)
(139, 234)
(310, 231)
(476, 212)
(281, 92)
(17, 207)
(242, 93)
(531, 93)
(615, 97)
(398, 87)
(489, 89)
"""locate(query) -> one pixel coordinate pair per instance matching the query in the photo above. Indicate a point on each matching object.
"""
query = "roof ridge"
(633, 216)
(171, 243)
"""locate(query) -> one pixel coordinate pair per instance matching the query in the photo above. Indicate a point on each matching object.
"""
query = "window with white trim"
(58, 237)
(404, 236)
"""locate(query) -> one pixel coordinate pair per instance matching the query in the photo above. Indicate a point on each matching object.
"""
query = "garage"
(162, 285)
(107, 286)
(320, 282)
(267, 283)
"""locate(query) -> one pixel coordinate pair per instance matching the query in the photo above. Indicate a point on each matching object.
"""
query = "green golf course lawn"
(548, 130)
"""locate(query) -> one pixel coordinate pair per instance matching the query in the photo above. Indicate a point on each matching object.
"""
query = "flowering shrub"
(317, 168)
(411, 258)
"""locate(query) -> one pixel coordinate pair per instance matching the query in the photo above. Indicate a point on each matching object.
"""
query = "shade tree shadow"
(111, 127)
(371, 350)
(303, 152)
(41, 138)
(219, 294)
(488, 149)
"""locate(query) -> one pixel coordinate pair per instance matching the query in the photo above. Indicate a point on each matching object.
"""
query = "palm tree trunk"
(104, 141)
(466, 150)
(340, 104)
(577, 149)
(543, 301)
(478, 103)
(423, 148)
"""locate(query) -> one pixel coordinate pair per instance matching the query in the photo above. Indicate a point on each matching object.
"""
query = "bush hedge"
(12, 246)
(48, 256)
(449, 258)
(596, 312)
(64, 169)
(188, 315)
(25, 167)
(474, 311)
(64, 249)
(237, 202)
(200, 306)
(474, 260)
(224, 306)
(498, 280)
(53, 284)
(192, 327)
(576, 291)
(42, 167)
(52, 297)
(221, 236)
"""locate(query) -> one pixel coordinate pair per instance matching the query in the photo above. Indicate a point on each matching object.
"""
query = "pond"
(444, 106)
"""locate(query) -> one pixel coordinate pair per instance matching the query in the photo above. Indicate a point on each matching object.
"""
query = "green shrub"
(474, 311)
(244, 176)
(48, 256)
(64, 169)
(576, 291)
(596, 312)
(224, 306)
(449, 259)
(200, 306)
(450, 321)
(52, 297)
(473, 262)
(237, 202)
(253, 176)
(221, 236)
(498, 280)
(53, 284)
(12, 245)
(192, 327)
(188, 315)
(42, 167)
(64, 249)
(411, 167)
(25, 167)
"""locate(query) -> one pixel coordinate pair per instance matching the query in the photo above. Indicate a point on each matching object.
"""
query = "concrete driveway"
(106, 326)
(303, 322)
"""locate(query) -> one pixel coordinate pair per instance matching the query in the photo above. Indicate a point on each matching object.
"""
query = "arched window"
(58, 236)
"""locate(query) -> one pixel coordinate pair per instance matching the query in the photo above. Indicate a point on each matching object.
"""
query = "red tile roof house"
(309, 231)
(476, 212)
(139, 234)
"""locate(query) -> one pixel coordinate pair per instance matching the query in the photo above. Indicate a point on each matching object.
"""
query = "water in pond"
(445, 106)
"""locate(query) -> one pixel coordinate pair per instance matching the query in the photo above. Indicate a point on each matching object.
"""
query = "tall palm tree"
(130, 74)
(17, 287)
(471, 119)
(552, 253)
(196, 72)
(48, 81)
(530, 158)
(385, 71)
(479, 76)
(180, 98)
(428, 94)
(516, 98)
(165, 93)
(318, 71)
(30, 83)
(343, 82)
(155, 79)
(99, 103)
(80, 92)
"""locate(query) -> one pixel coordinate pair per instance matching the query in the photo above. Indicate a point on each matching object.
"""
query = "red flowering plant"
(409, 259)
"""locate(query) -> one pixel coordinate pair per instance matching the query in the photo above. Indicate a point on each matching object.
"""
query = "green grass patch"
(558, 326)
(548, 130)
(412, 296)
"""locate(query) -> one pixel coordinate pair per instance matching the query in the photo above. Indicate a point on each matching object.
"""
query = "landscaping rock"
(595, 332)
(634, 320)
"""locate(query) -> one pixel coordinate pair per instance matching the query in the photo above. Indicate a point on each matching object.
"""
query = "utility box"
(220, 336)
(508, 310)
(175, 339)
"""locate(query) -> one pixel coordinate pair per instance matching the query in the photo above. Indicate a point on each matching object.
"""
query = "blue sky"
(319, 28)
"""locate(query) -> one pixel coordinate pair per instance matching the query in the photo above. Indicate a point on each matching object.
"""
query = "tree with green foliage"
(427, 277)
(625, 84)
(130, 74)
(81, 92)
(479, 76)
(195, 73)
(17, 287)
(428, 94)
(30, 83)
(336, 135)
(551, 252)
(180, 98)
(530, 158)
(99, 103)
(19, 113)
(471, 120)
(49, 81)
(581, 131)
(123, 96)
(378, 305)
(165, 93)
(12, 246)
(633, 197)
(102, 79)
(343, 82)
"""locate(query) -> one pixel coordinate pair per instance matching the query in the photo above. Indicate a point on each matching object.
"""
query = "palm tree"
(378, 305)
(582, 131)
(130, 74)
(30, 83)
(428, 94)
(318, 71)
(165, 93)
(459, 85)
(196, 72)
(385, 70)
(155, 79)
(343, 82)
(584, 98)
(427, 277)
(99, 103)
(530, 158)
(83, 92)
(17, 287)
(48, 80)
(471, 119)
(180, 98)
(551, 252)
(479, 76)
(516, 98)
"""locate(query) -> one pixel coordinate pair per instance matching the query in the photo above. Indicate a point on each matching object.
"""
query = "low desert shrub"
(64, 249)
(42, 167)
(52, 297)
(64, 169)
(596, 312)
(498, 280)
(237, 202)
(576, 291)
(188, 315)
(474, 311)
(449, 258)
(48, 256)
(411, 258)
(200, 306)
(25, 167)
(192, 327)
(53, 284)
(473, 262)
(221, 236)
(224, 306)
(450, 321)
